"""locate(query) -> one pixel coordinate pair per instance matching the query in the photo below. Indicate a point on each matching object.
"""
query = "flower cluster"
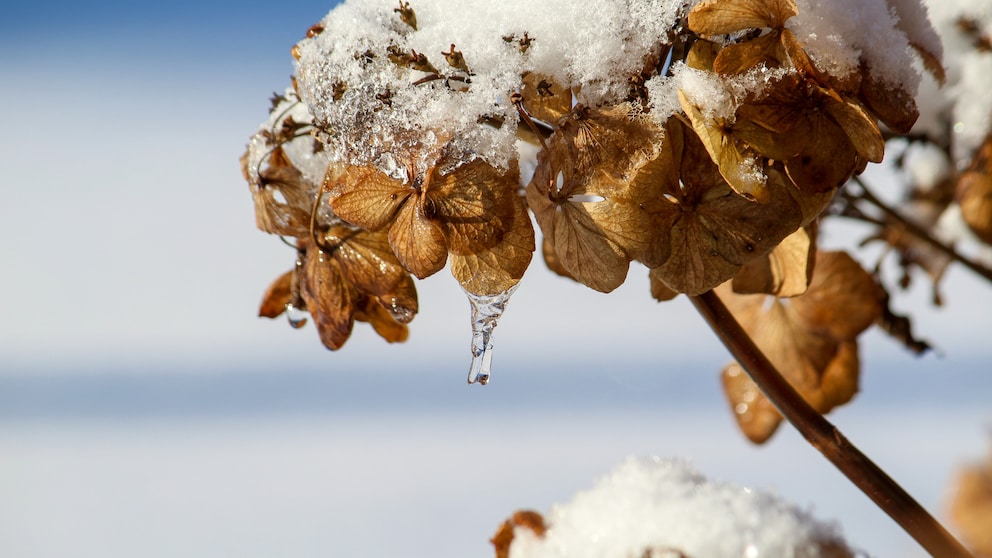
(702, 141)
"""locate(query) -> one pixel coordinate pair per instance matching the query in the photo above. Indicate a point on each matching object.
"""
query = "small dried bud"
(407, 14)
(455, 59)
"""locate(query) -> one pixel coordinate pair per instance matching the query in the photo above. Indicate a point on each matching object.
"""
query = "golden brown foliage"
(811, 339)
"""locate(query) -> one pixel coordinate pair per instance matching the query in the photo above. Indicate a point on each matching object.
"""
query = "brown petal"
(740, 169)
(785, 272)
(417, 241)
(971, 507)
(741, 57)
(291, 215)
(893, 105)
(544, 99)
(756, 416)
(721, 17)
(329, 298)
(843, 298)
(367, 198)
(381, 320)
(826, 162)
(860, 128)
(497, 269)
(277, 296)
(974, 193)
(469, 203)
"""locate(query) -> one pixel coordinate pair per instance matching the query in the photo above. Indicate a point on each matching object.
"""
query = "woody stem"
(916, 230)
(825, 437)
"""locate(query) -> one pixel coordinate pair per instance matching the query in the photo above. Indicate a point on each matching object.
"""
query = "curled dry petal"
(971, 507)
(291, 215)
(710, 230)
(525, 519)
(974, 193)
(329, 297)
(811, 339)
(497, 269)
(722, 17)
(736, 160)
(277, 296)
(584, 199)
(785, 272)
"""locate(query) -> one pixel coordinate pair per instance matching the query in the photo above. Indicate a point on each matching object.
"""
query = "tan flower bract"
(711, 231)
(811, 339)
(582, 196)
(974, 193)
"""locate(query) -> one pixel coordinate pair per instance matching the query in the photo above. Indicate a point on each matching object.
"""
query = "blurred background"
(146, 410)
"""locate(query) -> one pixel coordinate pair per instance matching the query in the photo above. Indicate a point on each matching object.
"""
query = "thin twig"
(917, 230)
(825, 437)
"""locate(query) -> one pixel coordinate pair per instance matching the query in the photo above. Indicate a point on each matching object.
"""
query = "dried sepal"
(971, 507)
(893, 105)
(710, 230)
(811, 339)
(287, 214)
(277, 296)
(736, 160)
(785, 272)
(544, 99)
(430, 213)
(583, 197)
(524, 519)
(723, 17)
(974, 193)
(329, 298)
(498, 268)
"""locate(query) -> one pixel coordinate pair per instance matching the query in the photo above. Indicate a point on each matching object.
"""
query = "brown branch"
(825, 437)
(917, 230)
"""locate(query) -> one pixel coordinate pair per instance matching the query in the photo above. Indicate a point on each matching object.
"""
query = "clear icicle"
(486, 311)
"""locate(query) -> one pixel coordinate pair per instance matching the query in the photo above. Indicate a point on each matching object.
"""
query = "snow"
(374, 110)
(965, 97)
(653, 503)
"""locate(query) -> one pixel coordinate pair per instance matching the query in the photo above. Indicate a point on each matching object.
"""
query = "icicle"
(486, 310)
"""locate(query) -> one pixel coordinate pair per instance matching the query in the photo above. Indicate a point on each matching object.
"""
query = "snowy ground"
(225, 467)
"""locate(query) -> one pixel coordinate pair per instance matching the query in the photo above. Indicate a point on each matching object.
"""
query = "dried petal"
(811, 340)
(544, 99)
(382, 321)
(368, 198)
(974, 193)
(737, 164)
(785, 272)
(497, 269)
(330, 299)
(417, 241)
(722, 17)
(971, 507)
(276, 297)
(290, 217)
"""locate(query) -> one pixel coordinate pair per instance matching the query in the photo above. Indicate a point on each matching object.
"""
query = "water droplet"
(741, 408)
(400, 313)
(486, 311)
(297, 317)
(751, 551)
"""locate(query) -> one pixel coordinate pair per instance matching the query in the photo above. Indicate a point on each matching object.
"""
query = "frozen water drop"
(400, 313)
(297, 317)
(486, 311)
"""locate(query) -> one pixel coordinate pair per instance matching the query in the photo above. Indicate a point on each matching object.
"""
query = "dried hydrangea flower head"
(692, 138)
